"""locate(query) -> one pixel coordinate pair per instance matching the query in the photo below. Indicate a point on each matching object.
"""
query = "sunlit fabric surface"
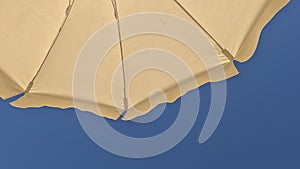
(29, 28)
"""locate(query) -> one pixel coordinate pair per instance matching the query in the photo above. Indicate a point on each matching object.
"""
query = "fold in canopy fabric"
(40, 43)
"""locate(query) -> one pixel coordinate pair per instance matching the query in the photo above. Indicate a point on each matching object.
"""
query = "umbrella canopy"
(41, 40)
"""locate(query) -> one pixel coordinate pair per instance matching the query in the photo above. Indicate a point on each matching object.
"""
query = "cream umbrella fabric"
(41, 40)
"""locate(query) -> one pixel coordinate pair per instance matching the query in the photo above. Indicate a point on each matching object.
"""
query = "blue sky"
(260, 127)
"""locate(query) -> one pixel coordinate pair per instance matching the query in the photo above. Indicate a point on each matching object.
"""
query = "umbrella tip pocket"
(29, 87)
(125, 104)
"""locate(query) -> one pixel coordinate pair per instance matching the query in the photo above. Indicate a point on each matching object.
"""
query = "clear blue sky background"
(260, 128)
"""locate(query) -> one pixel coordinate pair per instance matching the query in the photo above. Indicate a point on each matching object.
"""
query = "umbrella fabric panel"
(146, 82)
(53, 85)
(235, 24)
(27, 30)
(166, 72)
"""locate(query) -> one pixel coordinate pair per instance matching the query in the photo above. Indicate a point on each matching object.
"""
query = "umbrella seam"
(67, 14)
(229, 56)
(117, 17)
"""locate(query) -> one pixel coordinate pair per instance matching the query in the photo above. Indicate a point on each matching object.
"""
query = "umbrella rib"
(67, 14)
(225, 51)
(117, 17)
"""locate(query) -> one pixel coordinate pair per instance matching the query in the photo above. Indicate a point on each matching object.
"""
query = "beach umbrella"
(41, 40)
